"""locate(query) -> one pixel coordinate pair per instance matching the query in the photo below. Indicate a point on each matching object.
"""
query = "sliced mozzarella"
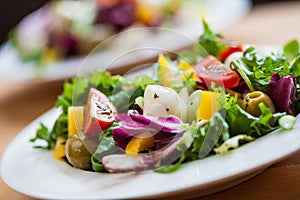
(163, 101)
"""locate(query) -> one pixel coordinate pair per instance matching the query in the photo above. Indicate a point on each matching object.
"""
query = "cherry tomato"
(100, 113)
(224, 53)
(212, 70)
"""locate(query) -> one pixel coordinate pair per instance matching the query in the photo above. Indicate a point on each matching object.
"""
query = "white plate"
(219, 13)
(35, 173)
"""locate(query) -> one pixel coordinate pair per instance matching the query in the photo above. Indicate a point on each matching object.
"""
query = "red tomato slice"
(100, 113)
(224, 53)
(212, 70)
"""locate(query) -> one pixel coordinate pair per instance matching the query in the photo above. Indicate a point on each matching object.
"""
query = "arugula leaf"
(60, 129)
(209, 41)
(257, 72)
(43, 134)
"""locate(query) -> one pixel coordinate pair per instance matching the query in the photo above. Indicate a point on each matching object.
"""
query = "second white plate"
(219, 13)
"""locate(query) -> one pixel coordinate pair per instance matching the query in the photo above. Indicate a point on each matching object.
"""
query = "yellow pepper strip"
(164, 72)
(75, 120)
(141, 142)
(208, 105)
(188, 70)
(183, 65)
(162, 61)
(59, 149)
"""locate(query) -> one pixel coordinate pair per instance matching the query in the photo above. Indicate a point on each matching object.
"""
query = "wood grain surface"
(272, 23)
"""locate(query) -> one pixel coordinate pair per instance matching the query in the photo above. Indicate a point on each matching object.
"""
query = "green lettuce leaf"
(242, 123)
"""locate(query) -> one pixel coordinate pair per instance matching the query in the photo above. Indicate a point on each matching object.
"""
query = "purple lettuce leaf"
(120, 163)
(163, 130)
(283, 92)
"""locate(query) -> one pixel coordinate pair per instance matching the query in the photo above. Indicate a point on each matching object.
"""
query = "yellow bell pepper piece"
(75, 119)
(188, 70)
(141, 142)
(208, 105)
(184, 65)
(164, 72)
(162, 61)
(59, 149)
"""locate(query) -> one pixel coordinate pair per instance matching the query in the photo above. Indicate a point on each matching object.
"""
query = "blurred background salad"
(60, 29)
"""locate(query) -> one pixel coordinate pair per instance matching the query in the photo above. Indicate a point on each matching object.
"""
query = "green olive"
(77, 154)
(252, 100)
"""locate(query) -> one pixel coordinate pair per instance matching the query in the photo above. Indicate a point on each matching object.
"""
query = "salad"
(208, 101)
(54, 32)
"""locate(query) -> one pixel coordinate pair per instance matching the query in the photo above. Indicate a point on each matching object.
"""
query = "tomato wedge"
(100, 113)
(212, 70)
(227, 51)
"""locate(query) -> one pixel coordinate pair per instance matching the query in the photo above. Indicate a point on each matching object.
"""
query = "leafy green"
(171, 167)
(97, 166)
(291, 50)
(124, 99)
(241, 122)
(242, 70)
(106, 146)
(295, 69)
(207, 137)
(43, 134)
(257, 71)
(60, 129)
(210, 41)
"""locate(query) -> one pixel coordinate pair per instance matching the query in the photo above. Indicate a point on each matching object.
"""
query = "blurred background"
(12, 14)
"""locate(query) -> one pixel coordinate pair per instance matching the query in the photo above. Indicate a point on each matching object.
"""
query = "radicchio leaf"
(163, 129)
(283, 92)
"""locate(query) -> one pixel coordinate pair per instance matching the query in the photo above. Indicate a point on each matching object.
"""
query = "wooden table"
(274, 23)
